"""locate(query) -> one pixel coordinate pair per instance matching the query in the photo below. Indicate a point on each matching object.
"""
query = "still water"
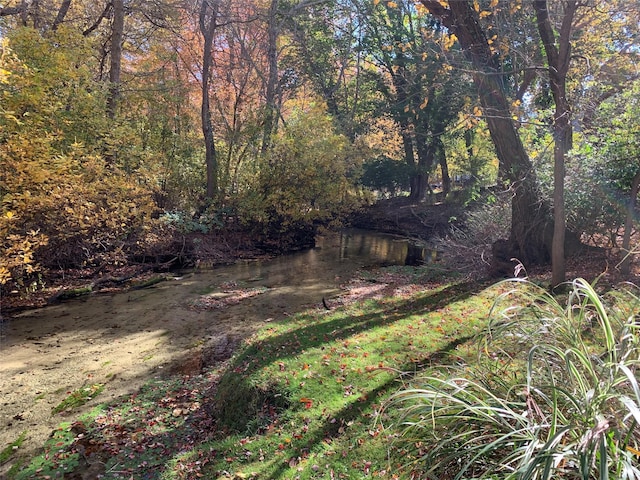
(335, 257)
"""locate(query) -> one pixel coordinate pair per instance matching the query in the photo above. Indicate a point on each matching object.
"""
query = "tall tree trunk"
(427, 150)
(444, 170)
(270, 118)
(558, 58)
(117, 33)
(530, 235)
(407, 127)
(208, 24)
(35, 14)
(407, 146)
(24, 12)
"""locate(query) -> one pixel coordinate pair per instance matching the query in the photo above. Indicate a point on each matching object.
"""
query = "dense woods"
(127, 125)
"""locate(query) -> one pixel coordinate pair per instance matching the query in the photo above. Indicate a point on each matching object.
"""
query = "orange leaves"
(371, 368)
(633, 450)
(308, 402)
(485, 13)
(515, 6)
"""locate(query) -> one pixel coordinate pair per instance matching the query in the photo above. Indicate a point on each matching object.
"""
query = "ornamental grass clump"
(554, 393)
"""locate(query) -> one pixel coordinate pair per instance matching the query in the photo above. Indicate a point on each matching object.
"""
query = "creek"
(180, 326)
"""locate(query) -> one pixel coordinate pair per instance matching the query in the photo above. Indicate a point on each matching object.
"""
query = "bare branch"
(62, 13)
(96, 24)
(7, 11)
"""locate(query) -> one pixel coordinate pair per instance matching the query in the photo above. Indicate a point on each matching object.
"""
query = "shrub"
(306, 179)
(466, 249)
(555, 394)
(387, 176)
(61, 203)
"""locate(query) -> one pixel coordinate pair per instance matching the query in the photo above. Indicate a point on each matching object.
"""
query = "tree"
(271, 112)
(421, 92)
(530, 229)
(208, 24)
(306, 180)
(558, 53)
(117, 34)
(326, 52)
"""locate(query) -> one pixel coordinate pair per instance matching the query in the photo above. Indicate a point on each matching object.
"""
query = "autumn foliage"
(63, 204)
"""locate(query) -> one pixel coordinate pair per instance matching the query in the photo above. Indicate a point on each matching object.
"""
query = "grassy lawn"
(300, 400)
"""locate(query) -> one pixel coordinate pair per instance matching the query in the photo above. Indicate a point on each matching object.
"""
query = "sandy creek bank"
(121, 340)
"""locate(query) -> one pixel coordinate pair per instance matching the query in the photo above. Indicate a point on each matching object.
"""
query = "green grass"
(59, 457)
(78, 398)
(10, 449)
(302, 399)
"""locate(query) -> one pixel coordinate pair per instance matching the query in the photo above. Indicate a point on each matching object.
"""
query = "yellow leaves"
(18, 257)
(5, 275)
(448, 41)
(477, 111)
(476, 5)
(392, 4)
(494, 3)
(9, 215)
(4, 75)
(376, 2)
(515, 6)
(424, 103)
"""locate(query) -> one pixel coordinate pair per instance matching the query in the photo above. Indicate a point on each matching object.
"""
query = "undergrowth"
(554, 394)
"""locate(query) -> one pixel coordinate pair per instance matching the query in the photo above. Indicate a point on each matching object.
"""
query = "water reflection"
(296, 279)
(380, 248)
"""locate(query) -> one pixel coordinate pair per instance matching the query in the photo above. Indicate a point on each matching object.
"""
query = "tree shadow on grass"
(338, 423)
(144, 434)
(239, 401)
